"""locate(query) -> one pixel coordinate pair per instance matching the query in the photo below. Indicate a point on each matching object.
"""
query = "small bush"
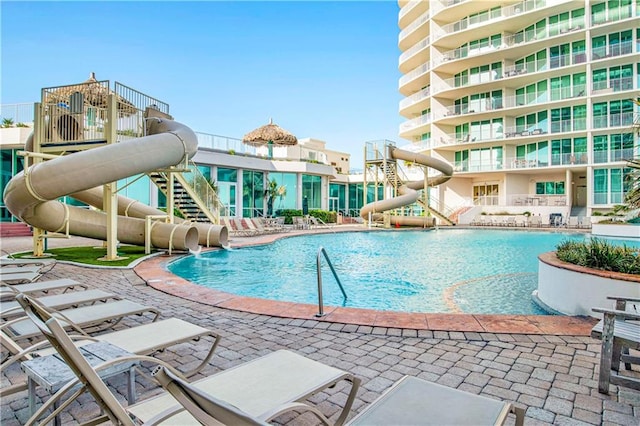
(323, 215)
(600, 254)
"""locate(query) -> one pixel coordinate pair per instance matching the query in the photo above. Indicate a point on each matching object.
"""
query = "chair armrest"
(626, 299)
(624, 315)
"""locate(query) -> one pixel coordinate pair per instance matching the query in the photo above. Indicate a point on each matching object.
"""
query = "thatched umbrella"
(270, 134)
(95, 93)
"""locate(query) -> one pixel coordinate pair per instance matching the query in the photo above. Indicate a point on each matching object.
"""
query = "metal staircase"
(392, 175)
(194, 197)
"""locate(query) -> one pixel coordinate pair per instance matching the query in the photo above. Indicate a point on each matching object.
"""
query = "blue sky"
(327, 70)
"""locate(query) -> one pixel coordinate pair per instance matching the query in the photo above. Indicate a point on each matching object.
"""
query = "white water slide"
(408, 192)
(31, 195)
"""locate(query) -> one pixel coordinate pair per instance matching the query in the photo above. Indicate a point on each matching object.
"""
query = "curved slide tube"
(30, 196)
(209, 235)
(409, 191)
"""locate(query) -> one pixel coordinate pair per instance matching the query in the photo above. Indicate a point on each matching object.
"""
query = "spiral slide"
(409, 191)
(32, 196)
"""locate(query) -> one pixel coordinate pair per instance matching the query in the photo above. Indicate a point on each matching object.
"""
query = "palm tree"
(273, 191)
(633, 194)
(632, 198)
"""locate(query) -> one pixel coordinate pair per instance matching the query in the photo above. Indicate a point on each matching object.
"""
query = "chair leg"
(616, 354)
(606, 355)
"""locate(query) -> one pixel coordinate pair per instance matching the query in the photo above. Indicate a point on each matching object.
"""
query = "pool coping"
(155, 273)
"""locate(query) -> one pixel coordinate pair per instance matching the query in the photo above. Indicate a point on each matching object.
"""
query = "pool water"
(453, 270)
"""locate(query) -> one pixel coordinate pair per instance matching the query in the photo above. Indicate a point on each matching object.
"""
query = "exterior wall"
(574, 290)
(471, 88)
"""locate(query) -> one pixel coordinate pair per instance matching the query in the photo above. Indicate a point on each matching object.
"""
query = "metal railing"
(415, 122)
(17, 113)
(414, 25)
(421, 45)
(415, 73)
(322, 251)
(206, 193)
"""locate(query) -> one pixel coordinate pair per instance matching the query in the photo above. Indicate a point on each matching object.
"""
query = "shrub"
(323, 215)
(600, 254)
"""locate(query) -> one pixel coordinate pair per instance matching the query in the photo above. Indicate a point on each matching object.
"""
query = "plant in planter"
(600, 254)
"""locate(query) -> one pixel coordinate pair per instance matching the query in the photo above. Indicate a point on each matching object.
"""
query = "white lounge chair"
(12, 309)
(265, 387)
(102, 315)
(145, 339)
(11, 261)
(8, 292)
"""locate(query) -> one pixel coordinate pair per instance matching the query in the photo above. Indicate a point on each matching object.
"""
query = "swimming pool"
(453, 270)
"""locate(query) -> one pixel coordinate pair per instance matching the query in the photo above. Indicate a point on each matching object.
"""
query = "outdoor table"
(52, 373)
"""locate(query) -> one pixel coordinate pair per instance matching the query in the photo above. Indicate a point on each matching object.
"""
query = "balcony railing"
(521, 131)
(614, 85)
(623, 13)
(17, 113)
(613, 155)
(613, 120)
(407, 8)
(422, 44)
(507, 41)
(414, 25)
(415, 73)
(415, 98)
(513, 71)
(536, 200)
(414, 123)
(573, 125)
(612, 50)
(569, 159)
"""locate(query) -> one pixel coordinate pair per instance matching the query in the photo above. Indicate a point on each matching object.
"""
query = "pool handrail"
(321, 250)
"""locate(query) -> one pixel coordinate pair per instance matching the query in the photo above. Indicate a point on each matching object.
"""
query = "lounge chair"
(145, 339)
(232, 228)
(573, 222)
(245, 230)
(410, 401)
(619, 331)
(57, 301)
(101, 316)
(19, 275)
(267, 387)
(10, 261)
(7, 292)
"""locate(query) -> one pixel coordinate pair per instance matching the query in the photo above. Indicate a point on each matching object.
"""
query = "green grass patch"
(90, 255)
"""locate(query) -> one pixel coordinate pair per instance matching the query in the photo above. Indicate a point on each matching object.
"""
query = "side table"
(52, 373)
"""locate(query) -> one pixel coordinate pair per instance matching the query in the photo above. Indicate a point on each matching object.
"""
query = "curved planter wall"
(615, 230)
(574, 290)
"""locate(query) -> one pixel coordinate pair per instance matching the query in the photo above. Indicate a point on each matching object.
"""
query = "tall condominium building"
(533, 102)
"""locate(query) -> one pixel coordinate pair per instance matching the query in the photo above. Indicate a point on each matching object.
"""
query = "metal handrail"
(321, 250)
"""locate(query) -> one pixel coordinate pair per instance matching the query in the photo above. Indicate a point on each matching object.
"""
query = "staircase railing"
(200, 189)
(322, 251)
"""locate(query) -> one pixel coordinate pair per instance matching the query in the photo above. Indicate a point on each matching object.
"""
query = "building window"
(312, 191)
(252, 193)
(549, 188)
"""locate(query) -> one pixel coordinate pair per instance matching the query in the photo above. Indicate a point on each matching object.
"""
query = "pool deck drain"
(155, 273)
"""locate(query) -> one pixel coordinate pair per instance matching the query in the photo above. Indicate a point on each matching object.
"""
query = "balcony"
(414, 74)
(415, 98)
(520, 38)
(614, 85)
(536, 200)
(612, 50)
(608, 17)
(624, 119)
(420, 46)
(422, 19)
(413, 124)
(524, 131)
(614, 155)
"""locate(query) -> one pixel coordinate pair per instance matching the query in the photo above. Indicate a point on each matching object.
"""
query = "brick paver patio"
(553, 376)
